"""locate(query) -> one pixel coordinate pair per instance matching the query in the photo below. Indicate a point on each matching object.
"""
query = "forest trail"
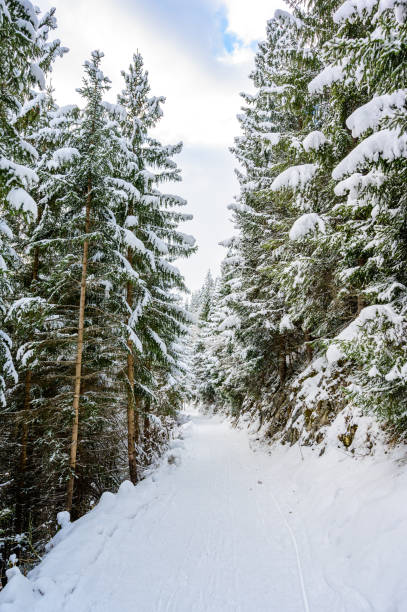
(207, 537)
(214, 529)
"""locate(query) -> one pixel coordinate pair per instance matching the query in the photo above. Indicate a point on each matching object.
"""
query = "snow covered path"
(207, 533)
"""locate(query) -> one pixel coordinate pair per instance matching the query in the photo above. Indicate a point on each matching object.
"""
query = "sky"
(199, 54)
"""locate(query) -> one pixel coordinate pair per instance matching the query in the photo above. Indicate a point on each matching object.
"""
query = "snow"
(28, 148)
(357, 182)
(117, 110)
(29, 9)
(223, 527)
(27, 28)
(371, 114)
(63, 519)
(187, 239)
(62, 156)
(63, 111)
(18, 198)
(131, 221)
(286, 323)
(4, 12)
(126, 186)
(132, 241)
(294, 177)
(169, 268)
(24, 305)
(314, 141)
(274, 89)
(354, 9)
(37, 100)
(285, 15)
(351, 9)
(273, 138)
(38, 74)
(158, 341)
(27, 176)
(133, 337)
(327, 77)
(335, 353)
(387, 144)
(4, 229)
(230, 322)
(308, 222)
(157, 242)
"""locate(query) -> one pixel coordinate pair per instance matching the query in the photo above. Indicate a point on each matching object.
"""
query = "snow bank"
(227, 525)
(348, 516)
(77, 546)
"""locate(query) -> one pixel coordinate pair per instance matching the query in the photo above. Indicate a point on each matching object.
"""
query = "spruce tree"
(155, 316)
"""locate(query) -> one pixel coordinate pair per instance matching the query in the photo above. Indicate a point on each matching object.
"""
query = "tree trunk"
(26, 407)
(308, 347)
(20, 497)
(360, 304)
(79, 352)
(360, 300)
(282, 364)
(146, 435)
(131, 417)
(131, 420)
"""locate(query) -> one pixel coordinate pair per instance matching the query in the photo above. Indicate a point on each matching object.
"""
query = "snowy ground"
(227, 528)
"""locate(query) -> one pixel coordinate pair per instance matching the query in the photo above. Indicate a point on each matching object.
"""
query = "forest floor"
(226, 525)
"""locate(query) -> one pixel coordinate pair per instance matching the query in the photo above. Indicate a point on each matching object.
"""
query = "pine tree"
(371, 218)
(27, 57)
(155, 317)
(319, 288)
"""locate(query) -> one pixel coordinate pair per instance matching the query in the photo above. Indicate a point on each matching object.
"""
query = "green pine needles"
(309, 319)
(93, 325)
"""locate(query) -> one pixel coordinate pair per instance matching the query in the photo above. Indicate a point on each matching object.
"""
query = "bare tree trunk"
(79, 352)
(360, 300)
(308, 347)
(131, 402)
(26, 408)
(20, 523)
(131, 418)
(282, 364)
(146, 435)
(360, 304)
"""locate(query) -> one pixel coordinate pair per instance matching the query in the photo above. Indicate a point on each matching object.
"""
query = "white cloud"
(201, 101)
(248, 19)
(248, 25)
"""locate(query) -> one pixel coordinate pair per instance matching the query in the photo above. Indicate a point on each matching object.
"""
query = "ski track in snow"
(218, 531)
